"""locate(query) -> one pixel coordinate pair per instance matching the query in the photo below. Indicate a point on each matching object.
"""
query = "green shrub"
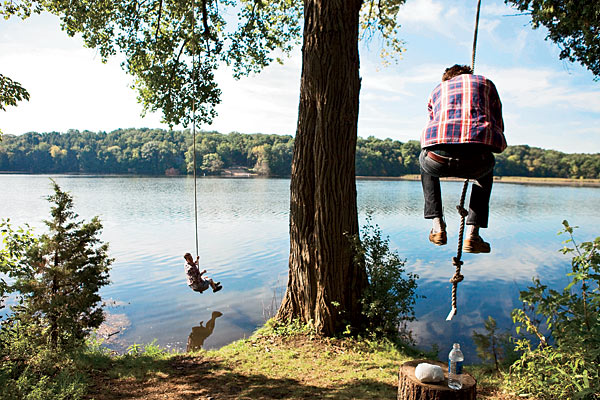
(493, 346)
(55, 279)
(388, 301)
(564, 365)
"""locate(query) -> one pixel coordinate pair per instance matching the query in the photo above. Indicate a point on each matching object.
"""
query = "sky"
(547, 102)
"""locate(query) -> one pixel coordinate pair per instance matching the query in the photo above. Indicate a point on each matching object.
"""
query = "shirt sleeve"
(430, 107)
(496, 107)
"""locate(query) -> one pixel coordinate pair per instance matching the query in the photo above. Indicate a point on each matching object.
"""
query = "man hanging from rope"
(465, 126)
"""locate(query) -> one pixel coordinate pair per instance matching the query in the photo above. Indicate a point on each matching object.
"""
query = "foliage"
(173, 48)
(16, 243)
(380, 16)
(565, 365)
(11, 92)
(573, 25)
(159, 152)
(30, 370)
(523, 160)
(55, 280)
(388, 301)
(492, 345)
(58, 279)
(286, 328)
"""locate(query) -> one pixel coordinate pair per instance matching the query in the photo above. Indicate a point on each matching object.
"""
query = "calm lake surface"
(243, 231)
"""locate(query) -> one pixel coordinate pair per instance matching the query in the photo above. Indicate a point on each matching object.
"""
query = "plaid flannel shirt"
(193, 274)
(465, 109)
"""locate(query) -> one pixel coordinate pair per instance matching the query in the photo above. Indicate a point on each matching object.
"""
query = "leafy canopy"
(11, 92)
(573, 25)
(172, 48)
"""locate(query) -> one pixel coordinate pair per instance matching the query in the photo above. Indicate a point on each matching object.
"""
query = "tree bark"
(410, 388)
(324, 283)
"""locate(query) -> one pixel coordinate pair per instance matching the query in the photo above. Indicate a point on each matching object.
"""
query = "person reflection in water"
(200, 333)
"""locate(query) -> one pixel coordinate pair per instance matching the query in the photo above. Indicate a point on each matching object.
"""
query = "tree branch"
(160, 4)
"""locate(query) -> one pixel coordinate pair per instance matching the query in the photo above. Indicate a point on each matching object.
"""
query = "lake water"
(243, 231)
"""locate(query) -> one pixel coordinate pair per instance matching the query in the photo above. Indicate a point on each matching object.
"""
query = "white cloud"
(543, 89)
(497, 10)
(421, 11)
(432, 17)
(266, 103)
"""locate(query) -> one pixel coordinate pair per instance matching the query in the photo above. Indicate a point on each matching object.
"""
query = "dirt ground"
(184, 377)
(266, 368)
(200, 378)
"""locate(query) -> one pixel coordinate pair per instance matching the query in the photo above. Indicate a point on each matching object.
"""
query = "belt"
(438, 158)
(454, 160)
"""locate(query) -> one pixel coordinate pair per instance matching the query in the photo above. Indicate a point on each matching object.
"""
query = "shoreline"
(519, 180)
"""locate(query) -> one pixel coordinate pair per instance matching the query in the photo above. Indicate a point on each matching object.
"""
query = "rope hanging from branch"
(194, 140)
(456, 261)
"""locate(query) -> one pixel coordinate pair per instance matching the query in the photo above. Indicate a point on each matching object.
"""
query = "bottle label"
(457, 366)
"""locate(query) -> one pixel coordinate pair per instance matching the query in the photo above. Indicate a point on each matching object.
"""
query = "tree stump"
(410, 388)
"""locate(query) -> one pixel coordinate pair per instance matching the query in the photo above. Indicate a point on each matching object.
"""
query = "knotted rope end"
(451, 314)
(462, 211)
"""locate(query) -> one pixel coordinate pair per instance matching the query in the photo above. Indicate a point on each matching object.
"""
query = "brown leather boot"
(475, 244)
(438, 238)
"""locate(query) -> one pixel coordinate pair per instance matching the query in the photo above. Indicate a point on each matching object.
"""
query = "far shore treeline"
(163, 152)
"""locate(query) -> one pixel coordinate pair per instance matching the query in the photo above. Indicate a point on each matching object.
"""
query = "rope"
(195, 187)
(475, 36)
(456, 261)
(194, 146)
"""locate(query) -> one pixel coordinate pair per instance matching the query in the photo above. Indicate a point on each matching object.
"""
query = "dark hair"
(186, 255)
(456, 70)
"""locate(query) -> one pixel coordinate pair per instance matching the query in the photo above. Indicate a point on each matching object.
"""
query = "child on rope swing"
(194, 276)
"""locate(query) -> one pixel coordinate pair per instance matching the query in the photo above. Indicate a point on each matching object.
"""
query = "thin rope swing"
(194, 138)
(456, 261)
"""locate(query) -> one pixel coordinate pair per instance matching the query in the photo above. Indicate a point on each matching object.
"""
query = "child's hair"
(186, 255)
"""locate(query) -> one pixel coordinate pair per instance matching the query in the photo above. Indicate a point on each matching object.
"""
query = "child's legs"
(211, 282)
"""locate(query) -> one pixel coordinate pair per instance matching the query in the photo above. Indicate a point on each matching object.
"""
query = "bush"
(565, 364)
(388, 301)
(494, 346)
(55, 279)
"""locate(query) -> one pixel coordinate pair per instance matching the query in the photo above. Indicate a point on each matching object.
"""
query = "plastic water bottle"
(455, 363)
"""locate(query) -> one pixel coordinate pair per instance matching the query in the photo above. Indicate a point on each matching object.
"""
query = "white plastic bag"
(429, 373)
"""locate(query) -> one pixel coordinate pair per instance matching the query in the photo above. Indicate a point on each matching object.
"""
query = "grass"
(274, 363)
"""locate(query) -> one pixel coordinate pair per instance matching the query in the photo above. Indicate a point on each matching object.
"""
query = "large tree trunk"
(324, 284)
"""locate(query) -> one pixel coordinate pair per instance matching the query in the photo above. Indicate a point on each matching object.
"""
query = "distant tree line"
(160, 152)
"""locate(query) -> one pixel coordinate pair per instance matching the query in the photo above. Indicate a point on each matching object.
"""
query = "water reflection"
(201, 332)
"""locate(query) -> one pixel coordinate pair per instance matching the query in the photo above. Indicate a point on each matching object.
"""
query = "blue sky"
(547, 102)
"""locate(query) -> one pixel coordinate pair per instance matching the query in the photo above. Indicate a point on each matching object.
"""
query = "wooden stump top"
(410, 388)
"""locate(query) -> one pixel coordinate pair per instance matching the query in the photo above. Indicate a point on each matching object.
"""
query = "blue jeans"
(479, 167)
